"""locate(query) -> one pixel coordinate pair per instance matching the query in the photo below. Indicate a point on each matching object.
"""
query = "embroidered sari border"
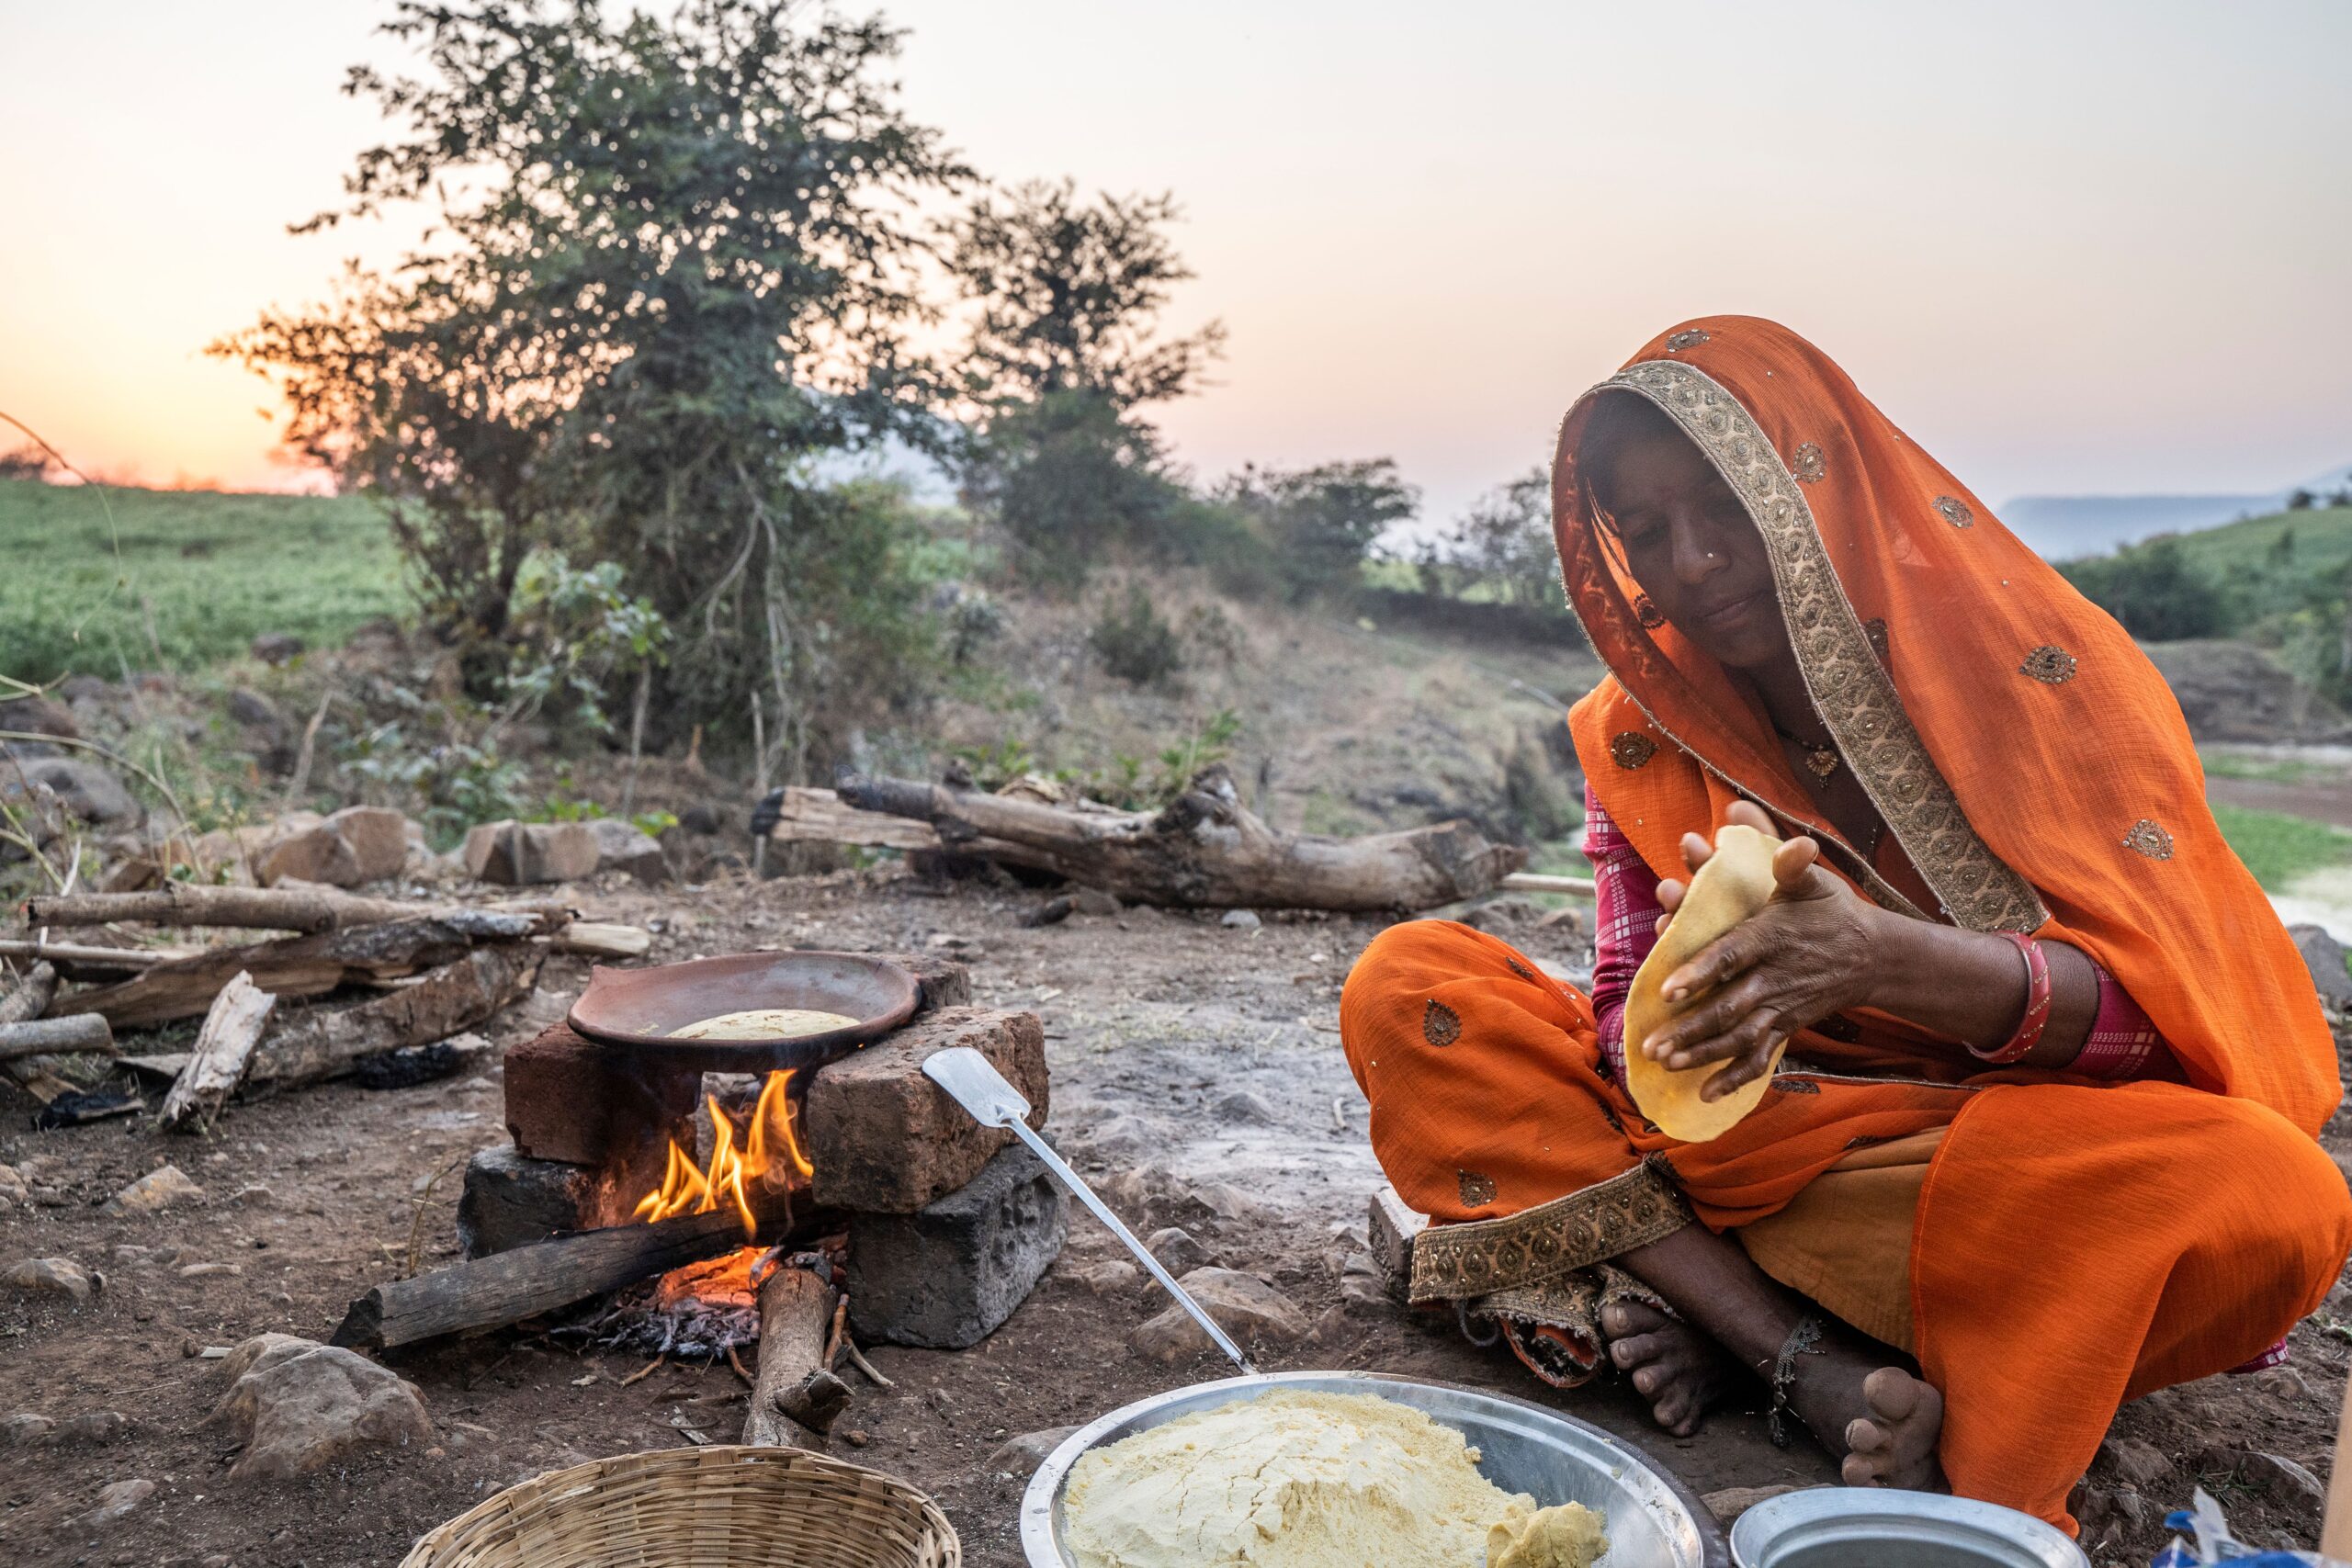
(1478, 1258)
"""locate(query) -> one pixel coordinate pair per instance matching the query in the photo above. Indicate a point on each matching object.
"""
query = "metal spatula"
(974, 1083)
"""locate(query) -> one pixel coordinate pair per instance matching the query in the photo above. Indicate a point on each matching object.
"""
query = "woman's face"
(1693, 547)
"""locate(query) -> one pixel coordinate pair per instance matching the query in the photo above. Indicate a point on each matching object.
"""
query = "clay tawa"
(1735, 884)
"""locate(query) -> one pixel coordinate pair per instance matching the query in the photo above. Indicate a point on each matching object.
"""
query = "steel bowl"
(1654, 1521)
(635, 1009)
(1852, 1526)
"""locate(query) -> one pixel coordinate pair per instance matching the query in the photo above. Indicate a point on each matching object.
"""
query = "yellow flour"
(763, 1023)
(1292, 1479)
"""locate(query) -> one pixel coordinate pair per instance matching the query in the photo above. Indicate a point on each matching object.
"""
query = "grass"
(2268, 770)
(182, 579)
(2322, 543)
(2278, 848)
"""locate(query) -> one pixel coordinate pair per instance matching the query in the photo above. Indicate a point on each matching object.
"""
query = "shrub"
(1137, 644)
(2153, 590)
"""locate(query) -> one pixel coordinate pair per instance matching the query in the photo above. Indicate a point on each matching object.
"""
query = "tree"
(674, 264)
(1064, 349)
(1322, 520)
(1502, 545)
(2153, 588)
(2301, 500)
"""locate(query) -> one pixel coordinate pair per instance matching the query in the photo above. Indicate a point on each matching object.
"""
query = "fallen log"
(78, 961)
(822, 817)
(795, 1398)
(31, 996)
(508, 1287)
(595, 939)
(54, 1036)
(223, 1050)
(308, 965)
(43, 1077)
(318, 1044)
(1205, 850)
(309, 908)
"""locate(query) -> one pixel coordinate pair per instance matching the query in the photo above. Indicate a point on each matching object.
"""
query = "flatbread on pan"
(1735, 884)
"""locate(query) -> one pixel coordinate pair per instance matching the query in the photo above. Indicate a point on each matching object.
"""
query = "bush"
(1320, 522)
(2153, 590)
(1137, 644)
(1070, 477)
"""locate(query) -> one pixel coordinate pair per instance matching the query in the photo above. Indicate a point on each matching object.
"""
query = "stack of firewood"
(437, 970)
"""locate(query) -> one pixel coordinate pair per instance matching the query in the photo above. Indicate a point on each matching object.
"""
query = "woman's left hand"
(1808, 954)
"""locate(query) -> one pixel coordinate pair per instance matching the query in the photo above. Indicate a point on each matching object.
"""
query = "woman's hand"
(1810, 953)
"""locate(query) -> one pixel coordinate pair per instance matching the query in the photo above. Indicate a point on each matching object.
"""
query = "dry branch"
(1205, 851)
(224, 1048)
(1537, 882)
(319, 1044)
(794, 1399)
(43, 1077)
(506, 1287)
(32, 996)
(54, 1036)
(78, 961)
(595, 939)
(261, 909)
(309, 966)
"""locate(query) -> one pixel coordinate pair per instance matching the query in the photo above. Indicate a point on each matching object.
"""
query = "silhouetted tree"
(1322, 520)
(1502, 544)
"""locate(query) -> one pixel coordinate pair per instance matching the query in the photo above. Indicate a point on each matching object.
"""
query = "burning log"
(795, 1398)
(54, 1036)
(1205, 851)
(264, 909)
(224, 1048)
(508, 1287)
(308, 965)
(319, 1044)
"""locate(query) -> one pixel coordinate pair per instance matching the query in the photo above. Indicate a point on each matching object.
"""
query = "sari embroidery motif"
(2050, 664)
(1955, 512)
(1631, 750)
(1806, 463)
(2149, 839)
(1441, 1025)
(1478, 1257)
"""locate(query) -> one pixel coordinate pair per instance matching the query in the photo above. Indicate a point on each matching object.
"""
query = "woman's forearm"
(1972, 987)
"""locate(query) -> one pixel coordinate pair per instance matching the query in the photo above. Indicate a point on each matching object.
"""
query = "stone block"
(511, 1199)
(622, 846)
(1392, 1226)
(885, 1139)
(570, 1099)
(947, 1275)
(519, 854)
(378, 837)
(946, 982)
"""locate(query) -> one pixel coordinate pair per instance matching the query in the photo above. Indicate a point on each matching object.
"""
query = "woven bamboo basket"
(720, 1506)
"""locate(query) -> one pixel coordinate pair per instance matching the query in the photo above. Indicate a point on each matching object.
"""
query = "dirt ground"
(1158, 1027)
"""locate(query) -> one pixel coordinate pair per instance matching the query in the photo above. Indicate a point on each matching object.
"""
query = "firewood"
(506, 1287)
(1206, 849)
(595, 939)
(224, 1048)
(794, 1399)
(31, 996)
(54, 1036)
(306, 965)
(319, 1044)
(309, 908)
(78, 961)
(43, 1077)
(1536, 882)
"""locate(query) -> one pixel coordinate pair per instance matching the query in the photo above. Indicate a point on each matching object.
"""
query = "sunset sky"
(2071, 247)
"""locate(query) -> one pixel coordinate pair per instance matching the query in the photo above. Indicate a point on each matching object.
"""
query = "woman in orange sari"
(2044, 1139)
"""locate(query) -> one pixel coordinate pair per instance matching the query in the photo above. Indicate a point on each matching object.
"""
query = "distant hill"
(2063, 527)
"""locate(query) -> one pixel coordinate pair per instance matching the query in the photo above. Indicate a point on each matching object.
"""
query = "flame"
(732, 1172)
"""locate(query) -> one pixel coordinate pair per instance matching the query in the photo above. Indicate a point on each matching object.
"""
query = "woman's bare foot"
(1677, 1368)
(1894, 1445)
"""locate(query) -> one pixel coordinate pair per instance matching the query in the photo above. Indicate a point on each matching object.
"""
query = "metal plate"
(1853, 1527)
(1654, 1521)
(637, 1008)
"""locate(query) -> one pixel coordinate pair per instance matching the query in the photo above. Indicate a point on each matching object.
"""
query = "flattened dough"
(1735, 884)
(763, 1023)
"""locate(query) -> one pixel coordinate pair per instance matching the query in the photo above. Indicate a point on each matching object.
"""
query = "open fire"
(765, 1154)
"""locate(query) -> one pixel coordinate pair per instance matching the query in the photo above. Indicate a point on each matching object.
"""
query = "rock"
(1731, 1502)
(2324, 956)
(1018, 1457)
(1243, 1108)
(1506, 913)
(117, 1500)
(946, 1275)
(24, 1429)
(1112, 1276)
(248, 707)
(700, 821)
(88, 790)
(1240, 920)
(621, 846)
(299, 1405)
(39, 716)
(1329, 1329)
(519, 854)
(357, 844)
(276, 647)
(2139, 1464)
(92, 1427)
(1094, 901)
(1117, 1139)
(2233, 691)
(58, 1276)
(1245, 1306)
(379, 838)
(1229, 1202)
(166, 1186)
(1363, 1281)
(1178, 1251)
(1391, 1227)
(2283, 1481)
(254, 1197)
(209, 1271)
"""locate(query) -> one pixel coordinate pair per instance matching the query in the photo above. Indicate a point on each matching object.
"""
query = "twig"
(840, 1332)
(301, 778)
(416, 1220)
(759, 778)
(646, 1371)
(857, 1359)
(637, 737)
(737, 1362)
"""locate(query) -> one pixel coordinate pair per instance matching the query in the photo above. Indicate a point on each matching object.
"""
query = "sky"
(2071, 247)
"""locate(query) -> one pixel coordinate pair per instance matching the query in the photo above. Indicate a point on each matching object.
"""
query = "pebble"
(1240, 920)
(1245, 1306)
(166, 1186)
(1178, 1249)
(61, 1276)
(254, 1197)
(856, 1437)
(206, 1271)
(1017, 1457)
(118, 1499)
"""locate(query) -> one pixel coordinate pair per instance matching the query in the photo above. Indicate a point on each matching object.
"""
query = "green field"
(192, 573)
(2322, 542)
(2278, 848)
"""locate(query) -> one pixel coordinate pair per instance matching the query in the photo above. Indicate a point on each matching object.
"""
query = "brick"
(885, 1139)
(571, 1100)
(1392, 1227)
(946, 982)
(511, 1201)
(946, 1276)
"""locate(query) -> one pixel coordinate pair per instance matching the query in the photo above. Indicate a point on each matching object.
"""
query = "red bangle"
(2037, 1005)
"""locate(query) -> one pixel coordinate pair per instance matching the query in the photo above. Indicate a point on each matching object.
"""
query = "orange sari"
(2075, 1245)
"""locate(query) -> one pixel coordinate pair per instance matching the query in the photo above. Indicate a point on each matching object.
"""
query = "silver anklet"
(1805, 1339)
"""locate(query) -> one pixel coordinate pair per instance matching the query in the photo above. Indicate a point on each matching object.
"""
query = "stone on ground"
(1731, 1502)
(54, 1276)
(1240, 919)
(117, 1500)
(945, 1276)
(85, 789)
(519, 854)
(2324, 956)
(622, 846)
(298, 1405)
(1246, 1308)
(166, 1186)
(1179, 1251)
(357, 844)
(276, 647)
(1018, 1457)
(25, 1429)
(1111, 1276)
